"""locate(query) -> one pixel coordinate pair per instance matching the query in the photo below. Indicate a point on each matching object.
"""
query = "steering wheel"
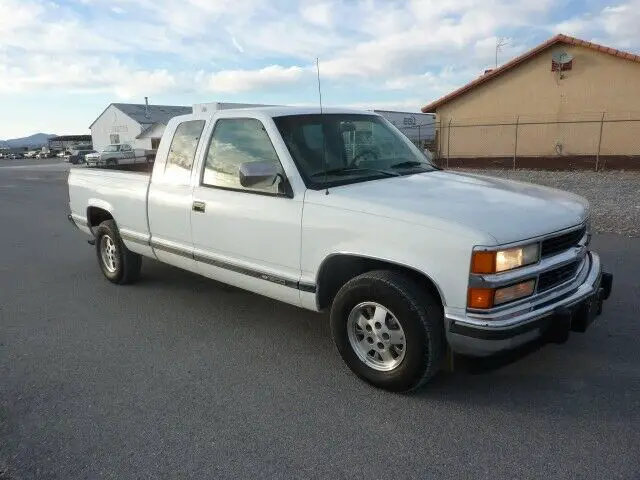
(354, 160)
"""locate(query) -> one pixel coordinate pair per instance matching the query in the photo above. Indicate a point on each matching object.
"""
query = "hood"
(507, 210)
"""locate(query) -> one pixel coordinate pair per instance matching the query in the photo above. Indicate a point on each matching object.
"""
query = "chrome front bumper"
(565, 308)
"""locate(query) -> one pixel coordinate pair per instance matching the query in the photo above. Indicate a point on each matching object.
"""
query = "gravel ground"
(614, 196)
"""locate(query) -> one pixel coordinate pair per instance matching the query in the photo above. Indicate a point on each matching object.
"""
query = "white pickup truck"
(118, 154)
(339, 211)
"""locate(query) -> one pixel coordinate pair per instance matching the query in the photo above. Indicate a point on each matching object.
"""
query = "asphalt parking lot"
(181, 377)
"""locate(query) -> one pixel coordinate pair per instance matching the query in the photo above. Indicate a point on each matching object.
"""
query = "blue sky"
(62, 62)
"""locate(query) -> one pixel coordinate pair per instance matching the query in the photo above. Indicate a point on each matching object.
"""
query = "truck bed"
(122, 193)
(139, 167)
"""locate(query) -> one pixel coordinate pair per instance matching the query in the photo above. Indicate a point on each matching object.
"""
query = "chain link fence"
(422, 135)
(599, 142)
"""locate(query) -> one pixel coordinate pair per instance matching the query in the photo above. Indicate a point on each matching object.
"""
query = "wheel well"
(339, 269)
(97, 215)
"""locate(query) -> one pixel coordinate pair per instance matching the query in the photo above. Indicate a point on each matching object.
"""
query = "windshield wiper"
(347, 170)
(409, 163)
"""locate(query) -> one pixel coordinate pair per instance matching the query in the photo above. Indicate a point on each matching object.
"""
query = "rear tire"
(400, 349)
(118, 264)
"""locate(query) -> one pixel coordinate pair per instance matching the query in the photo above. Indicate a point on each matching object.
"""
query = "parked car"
(79, 156)
(410, 260)
(13, 156)
(47, 153)
(117, 154)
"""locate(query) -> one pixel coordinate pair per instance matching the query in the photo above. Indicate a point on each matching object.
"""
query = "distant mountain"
(36, 140)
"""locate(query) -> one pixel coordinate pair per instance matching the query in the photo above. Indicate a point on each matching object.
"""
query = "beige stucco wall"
(598, 83)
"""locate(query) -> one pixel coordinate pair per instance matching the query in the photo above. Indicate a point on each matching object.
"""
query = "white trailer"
(418, 127)
(215, 106)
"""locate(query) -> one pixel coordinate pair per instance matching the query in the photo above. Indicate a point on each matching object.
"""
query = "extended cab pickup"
(339, 211)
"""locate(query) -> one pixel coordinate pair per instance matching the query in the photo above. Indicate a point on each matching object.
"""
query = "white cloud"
(273, 76)
(318, 14)
(21, 15)
(574, 27)
(405, 48)
(86, 74)
(439, 83)
(614, 25)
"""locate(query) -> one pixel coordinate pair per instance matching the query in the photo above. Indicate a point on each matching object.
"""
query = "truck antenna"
(319, 85)
(324, 140)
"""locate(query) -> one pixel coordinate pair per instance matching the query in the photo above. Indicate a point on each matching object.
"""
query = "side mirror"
(255, 174)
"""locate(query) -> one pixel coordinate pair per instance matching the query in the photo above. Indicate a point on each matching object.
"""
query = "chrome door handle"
(198, 206)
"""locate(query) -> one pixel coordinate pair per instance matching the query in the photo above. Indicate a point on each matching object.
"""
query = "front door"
(248, 237)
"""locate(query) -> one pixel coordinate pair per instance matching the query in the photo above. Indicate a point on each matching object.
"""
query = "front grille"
(553, 278)
(563, 242)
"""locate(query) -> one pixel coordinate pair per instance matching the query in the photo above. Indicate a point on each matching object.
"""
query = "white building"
(140, 125)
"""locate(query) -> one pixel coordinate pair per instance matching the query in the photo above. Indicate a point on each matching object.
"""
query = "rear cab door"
(170, 194)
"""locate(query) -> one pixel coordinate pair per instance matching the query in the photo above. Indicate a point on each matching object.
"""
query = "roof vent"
(488, 70)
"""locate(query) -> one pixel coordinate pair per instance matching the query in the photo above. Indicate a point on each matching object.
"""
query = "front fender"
(441, 256)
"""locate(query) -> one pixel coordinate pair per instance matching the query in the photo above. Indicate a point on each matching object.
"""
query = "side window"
(236, 141)
(183, 151)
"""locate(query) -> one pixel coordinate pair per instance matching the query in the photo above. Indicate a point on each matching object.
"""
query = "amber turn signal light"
(483, 262)
(480, 298)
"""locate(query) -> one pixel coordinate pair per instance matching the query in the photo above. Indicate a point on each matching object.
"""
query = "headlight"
(503, 260)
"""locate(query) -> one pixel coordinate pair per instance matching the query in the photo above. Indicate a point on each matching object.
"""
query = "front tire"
(118, 264)
(389, 330)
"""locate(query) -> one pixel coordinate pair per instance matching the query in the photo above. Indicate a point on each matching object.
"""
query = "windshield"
(355, 147)
(110, 148)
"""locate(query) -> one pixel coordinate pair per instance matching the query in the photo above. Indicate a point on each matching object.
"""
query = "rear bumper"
(573, 310)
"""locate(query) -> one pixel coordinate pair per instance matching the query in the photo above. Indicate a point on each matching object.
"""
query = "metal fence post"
(599, 141)
(449, 141)
(515, 147)
(440, 139)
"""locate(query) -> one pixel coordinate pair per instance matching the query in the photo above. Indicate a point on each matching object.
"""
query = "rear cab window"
(182, 151)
